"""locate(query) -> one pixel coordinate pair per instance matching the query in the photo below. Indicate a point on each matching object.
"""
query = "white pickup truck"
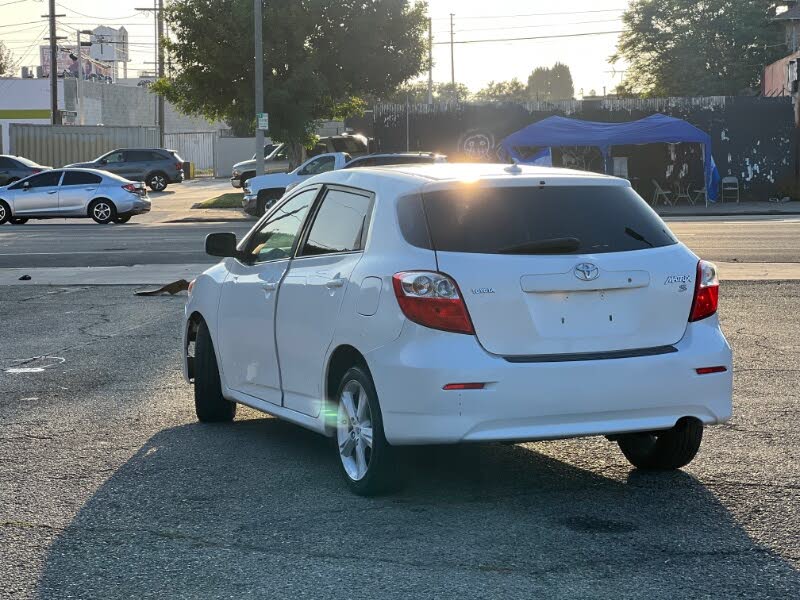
(263, 191)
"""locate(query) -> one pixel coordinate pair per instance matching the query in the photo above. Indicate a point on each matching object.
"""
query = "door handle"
(52, 191)
(334, 283)
(270, 286)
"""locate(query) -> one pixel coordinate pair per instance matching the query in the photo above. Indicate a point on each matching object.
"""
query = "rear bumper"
(552, 400)
(177, 178)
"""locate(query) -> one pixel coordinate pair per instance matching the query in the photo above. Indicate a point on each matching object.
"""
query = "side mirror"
(221, 244)
(26, 185)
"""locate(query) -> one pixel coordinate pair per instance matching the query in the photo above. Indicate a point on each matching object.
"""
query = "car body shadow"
(257, 508)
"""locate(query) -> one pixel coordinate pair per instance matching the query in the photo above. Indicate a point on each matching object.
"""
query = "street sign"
(263, 121)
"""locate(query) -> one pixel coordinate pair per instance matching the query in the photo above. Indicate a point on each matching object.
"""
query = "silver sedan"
(73, 193)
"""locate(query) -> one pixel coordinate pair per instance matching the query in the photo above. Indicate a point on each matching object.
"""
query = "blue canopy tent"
(560, 131)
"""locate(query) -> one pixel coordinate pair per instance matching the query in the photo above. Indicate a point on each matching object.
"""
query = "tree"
(417, 93)
(551, 84)
(5, 59)
(503, 91)
(689, 48)
(319, 57)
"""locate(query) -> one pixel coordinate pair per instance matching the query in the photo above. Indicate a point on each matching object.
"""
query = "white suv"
(437, 304)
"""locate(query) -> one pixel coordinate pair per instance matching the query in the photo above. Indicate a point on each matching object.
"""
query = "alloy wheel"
(158, 182)
(2, 213)
(354, 430)
(102, 211)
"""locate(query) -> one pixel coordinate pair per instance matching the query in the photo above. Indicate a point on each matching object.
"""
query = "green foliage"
(417, 93)
(551, 84)
(503, 91)
(320, 57)
(691, 47)
(5, 59)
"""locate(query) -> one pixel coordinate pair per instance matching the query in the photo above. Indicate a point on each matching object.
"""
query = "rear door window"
(340, 223)
(523, 220)
(80, 178)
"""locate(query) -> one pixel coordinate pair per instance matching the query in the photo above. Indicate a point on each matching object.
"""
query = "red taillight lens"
(433, 300)
(179, 166)
(706, 292)
(130, 187)
(34, 171)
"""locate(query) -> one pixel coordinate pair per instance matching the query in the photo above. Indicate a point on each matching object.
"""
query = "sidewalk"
(175, 204)
(730, 209)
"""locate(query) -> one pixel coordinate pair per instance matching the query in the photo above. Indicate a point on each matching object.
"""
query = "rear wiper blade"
(638, 237)
(552, 246)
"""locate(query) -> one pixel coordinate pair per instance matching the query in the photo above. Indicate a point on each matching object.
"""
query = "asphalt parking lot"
(109, 488)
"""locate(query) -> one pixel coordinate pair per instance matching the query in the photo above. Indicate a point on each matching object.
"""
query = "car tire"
(266, 200)
(157, 181)
(664, 450)
(5, 212)
(102, 211)
(18, 220)
(122, 220)
(209, 403)
(366, 460)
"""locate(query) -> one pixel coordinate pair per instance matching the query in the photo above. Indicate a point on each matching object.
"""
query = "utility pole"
(430, 61)
(452, 60)
(259, 56)
(160, 105)
(55, 115)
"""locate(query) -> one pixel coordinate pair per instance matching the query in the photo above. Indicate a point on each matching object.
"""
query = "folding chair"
(701, 195)
(682, 191)
(659, 192)
(730, 187)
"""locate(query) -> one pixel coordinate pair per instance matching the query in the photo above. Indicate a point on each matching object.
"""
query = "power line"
(72, 10)
(18, 24)
(538, 37)
(540, 26)
(13, 2)
(547, 14)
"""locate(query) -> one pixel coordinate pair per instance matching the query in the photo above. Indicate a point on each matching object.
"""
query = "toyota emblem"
(587, 272)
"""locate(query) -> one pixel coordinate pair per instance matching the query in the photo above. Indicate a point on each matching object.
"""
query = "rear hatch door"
(568, 269)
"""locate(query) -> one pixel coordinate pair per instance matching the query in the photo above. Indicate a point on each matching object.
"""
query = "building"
(780, 78)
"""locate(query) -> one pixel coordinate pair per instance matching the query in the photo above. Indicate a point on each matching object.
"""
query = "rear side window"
(80, 178)
(142, 156)
(497, 220)
(340, 224)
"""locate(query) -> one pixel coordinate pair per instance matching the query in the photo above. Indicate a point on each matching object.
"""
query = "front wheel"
(103, 211)
(5, 212)
(366, 459)
(157, 182)
(663, 450)
(121, 220)
(209, 403)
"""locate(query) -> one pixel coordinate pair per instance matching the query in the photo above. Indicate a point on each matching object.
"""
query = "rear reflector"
(464, 386)
(709, 370)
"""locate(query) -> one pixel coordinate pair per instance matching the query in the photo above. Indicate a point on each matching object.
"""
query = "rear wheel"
(209, 404)
(5, 212)
(18, 220)
(103, 211)
(663, 450)
(157, 182)
(122, 220)
(366, 459)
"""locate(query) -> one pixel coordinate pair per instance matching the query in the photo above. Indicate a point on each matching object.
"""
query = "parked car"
(396, 158)
(263, 191)
(155, 166)
(60, 193)
(278, 161)
(439, 304)
(14, 168)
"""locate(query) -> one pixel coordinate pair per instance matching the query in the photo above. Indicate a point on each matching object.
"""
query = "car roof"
(444, 175)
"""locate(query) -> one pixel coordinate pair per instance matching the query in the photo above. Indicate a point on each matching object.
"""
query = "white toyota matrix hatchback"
(438, 304)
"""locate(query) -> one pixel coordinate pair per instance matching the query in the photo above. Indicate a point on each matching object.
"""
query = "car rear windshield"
(26, 162)
(543, 220)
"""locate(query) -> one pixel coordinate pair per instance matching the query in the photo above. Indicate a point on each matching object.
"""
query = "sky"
(22, 30)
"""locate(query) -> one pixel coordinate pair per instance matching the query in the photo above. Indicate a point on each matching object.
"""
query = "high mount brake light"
(433, 300)
(706, 292)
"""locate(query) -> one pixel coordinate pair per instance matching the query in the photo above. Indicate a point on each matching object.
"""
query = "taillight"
(34, 171)
(706, 292)
(433, 300)
(131, 187)
(179, 166)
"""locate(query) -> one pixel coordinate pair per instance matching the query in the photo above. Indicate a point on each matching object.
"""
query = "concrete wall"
(753, 139)
(25, 101)
(228, 151)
